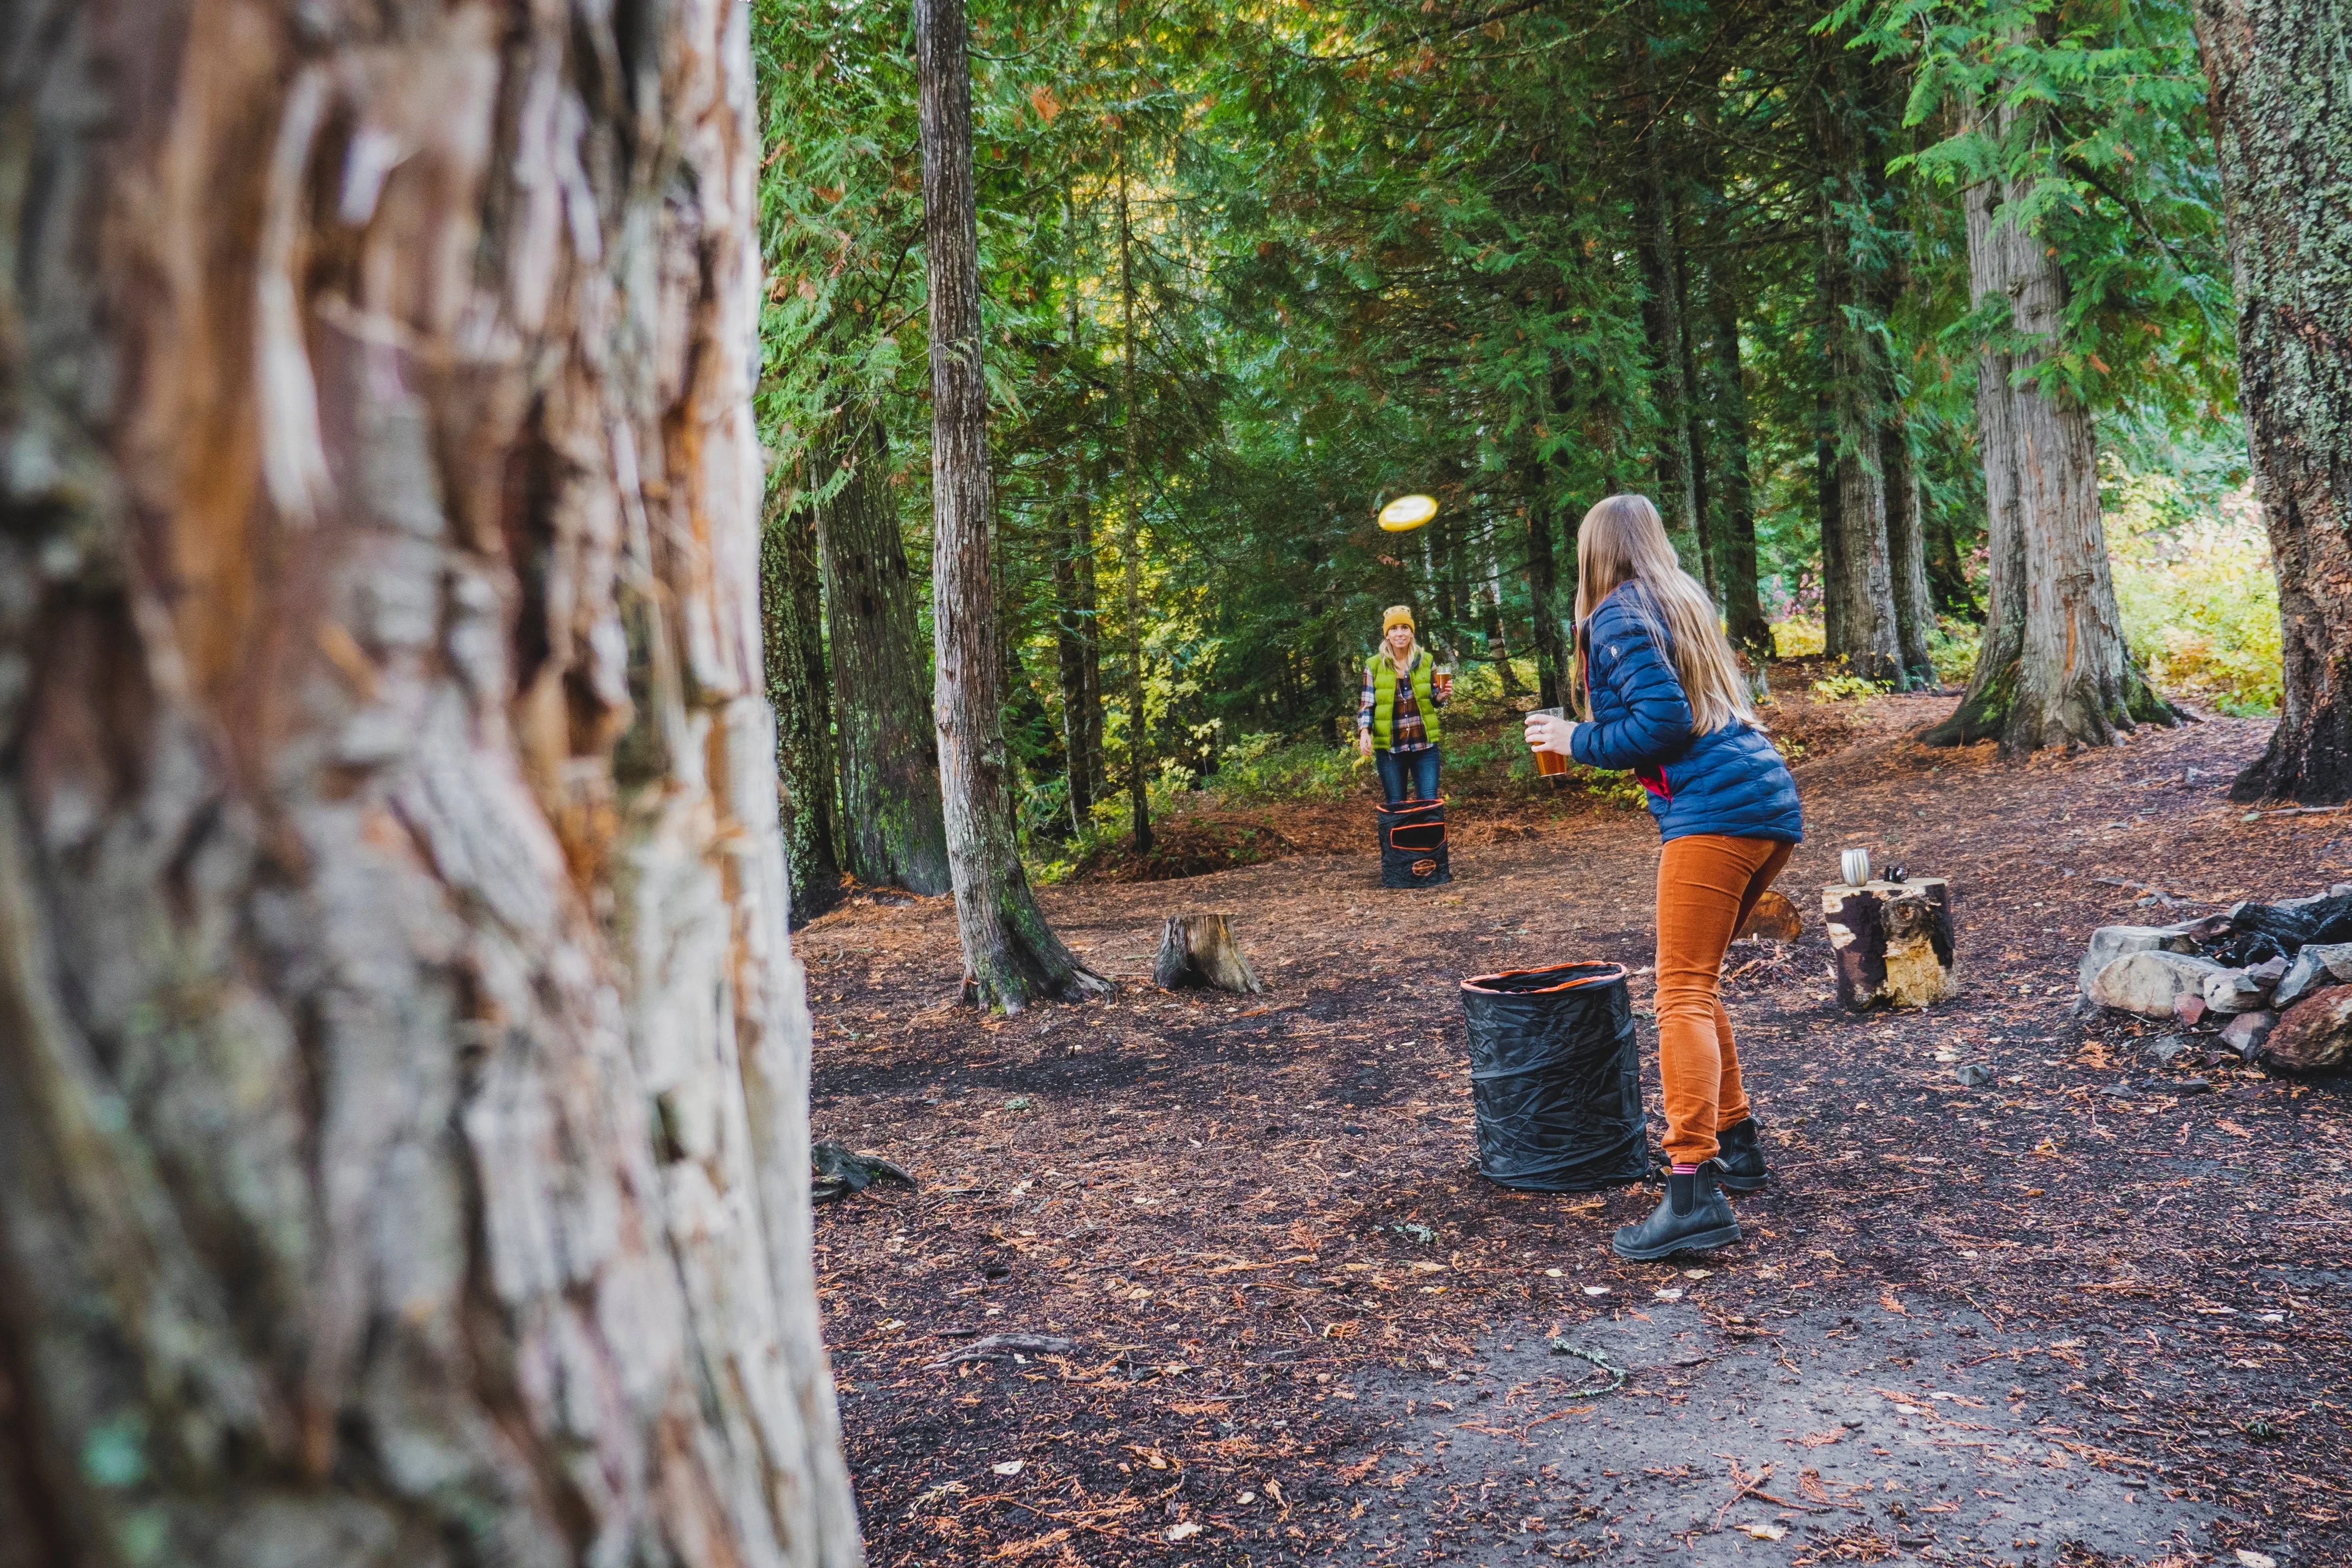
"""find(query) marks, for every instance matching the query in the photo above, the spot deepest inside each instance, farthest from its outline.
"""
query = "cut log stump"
(1774, 919)
(1892, 941)
(1199, 950)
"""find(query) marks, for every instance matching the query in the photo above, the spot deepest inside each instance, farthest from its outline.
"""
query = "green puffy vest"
(1384, 682)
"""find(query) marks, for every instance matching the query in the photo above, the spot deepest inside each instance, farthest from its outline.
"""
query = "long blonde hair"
(1621, 542)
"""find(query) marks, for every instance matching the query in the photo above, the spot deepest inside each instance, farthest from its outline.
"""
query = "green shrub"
(1263, 768)
(2194, 584)
(1799, 636)
(1953, 651)
(1845, 686)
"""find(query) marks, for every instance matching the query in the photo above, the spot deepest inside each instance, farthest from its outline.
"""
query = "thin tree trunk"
(2052, 669)
(1826, 498)
(894, 829)
(1710, 551)
(1139, 721)
(1915, 613)
(801, 692)
(1947, 576)
(1662, 326)
(2280, 117)
(1010, 953)
(1860, 586)
(1743, 606)
(1073, 638)
(403, 1152)
(1545, 604)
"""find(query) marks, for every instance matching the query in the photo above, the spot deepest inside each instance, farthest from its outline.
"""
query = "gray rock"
(2111, 942)
(2164, 1047)
(2236, 991)
(1975, 1074)
(2248, 1031)
(2148, 982)
(2316, 965)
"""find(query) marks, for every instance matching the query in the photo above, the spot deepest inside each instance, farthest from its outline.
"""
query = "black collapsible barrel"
(1554, 1078)
(1412, 845)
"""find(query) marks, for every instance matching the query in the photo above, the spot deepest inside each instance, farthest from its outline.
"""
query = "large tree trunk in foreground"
(893, 826)
(403, 1149)
(1011, 953)
(2282, 115)
(792, 612)
(2053, 670)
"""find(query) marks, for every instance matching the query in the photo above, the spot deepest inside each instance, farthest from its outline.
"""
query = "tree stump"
(1892, 941)
(1199, 950)
(1774, 919)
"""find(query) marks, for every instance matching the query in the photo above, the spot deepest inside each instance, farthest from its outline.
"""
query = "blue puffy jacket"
(1731, 782)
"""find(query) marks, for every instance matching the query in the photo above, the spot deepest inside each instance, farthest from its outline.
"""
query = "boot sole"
(1705, 1241)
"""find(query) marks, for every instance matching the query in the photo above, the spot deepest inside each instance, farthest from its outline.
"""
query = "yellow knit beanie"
(1396, 615)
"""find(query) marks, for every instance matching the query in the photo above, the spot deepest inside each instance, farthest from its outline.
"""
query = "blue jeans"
(1410, 776)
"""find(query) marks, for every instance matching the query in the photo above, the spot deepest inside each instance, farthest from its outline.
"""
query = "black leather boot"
(1743, 1158)
(1694, 1216)
(1741, 1153)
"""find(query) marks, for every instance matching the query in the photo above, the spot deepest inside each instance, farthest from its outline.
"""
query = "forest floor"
(2093, 1312)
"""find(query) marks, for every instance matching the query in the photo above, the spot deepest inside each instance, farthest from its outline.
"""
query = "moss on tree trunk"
(2283, 118)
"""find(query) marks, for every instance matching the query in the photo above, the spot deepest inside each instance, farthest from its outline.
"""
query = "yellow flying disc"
(1407, 513)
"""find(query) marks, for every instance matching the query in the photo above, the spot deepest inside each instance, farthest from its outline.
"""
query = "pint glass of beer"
(1445, 673)
(1550, 764)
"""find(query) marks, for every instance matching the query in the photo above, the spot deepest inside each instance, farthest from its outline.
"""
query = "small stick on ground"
(1003, 1347)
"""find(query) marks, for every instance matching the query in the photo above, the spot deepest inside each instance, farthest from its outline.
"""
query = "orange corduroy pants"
(1708, 883)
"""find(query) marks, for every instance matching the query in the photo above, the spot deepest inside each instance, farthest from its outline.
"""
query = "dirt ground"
(2093, 1312)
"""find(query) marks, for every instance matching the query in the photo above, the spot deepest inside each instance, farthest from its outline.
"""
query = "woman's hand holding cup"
(1550, 731)
(1549, 735)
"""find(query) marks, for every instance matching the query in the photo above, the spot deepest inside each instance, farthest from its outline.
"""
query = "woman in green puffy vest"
(1396, 720)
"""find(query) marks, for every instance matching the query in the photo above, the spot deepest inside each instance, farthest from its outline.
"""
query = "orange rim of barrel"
(1603, 973)
(1413, 807)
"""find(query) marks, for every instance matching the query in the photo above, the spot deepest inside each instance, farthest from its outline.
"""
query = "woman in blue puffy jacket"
(1662, 695)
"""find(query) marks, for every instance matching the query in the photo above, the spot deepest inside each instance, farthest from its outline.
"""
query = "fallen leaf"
(1184, 1532)
(1765, 1531)
(2256, 1559)
(1887, 1300)
(1696, 1273)
(1010, 1467)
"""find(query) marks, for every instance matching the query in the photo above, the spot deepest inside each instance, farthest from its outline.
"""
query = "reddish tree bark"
(403, 1067)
